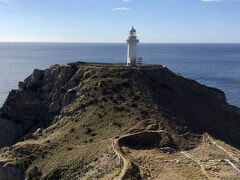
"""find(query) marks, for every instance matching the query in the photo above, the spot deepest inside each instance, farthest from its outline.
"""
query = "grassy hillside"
(108, 103)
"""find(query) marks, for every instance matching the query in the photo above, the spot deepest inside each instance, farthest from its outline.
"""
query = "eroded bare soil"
(211, 159)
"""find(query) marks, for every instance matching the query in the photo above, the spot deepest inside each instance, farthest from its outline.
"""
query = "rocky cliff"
(61, 123)
(37, 101)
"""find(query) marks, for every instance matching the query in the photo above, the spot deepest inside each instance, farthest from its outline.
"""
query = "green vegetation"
(111, 102)
(106, 107)
(102, 105)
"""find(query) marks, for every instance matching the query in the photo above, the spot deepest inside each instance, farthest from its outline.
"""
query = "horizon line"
(69, 42)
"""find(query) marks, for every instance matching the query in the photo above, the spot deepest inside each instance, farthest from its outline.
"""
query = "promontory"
(107, 121)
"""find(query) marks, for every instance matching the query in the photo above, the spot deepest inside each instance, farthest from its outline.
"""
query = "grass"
(83, 132)
(109, 103)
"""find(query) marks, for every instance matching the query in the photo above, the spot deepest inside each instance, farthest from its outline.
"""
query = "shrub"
(117, 124)
(72, 130)
(34, 174)
(104, 99)
(145, 113)
(88, 130)
(100, 115)
(119, 108)
(121, 98)
(136, 98)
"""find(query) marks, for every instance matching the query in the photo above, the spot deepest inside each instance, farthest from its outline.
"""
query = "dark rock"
(37, 74)
(48, 87)
(54, 74)
(29, 137)
(56, 102)
(8, 172)
(21, 85)
(55, 175)
(48, 76)
(202, 108)
(34, 174)
(167, 150)
(35, 104)
(69, 97)
(8, 133)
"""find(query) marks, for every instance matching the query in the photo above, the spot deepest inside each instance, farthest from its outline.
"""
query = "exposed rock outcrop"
(187, 103)
(37, 101)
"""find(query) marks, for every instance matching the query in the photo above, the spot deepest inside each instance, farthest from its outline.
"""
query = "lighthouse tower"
(132, 48)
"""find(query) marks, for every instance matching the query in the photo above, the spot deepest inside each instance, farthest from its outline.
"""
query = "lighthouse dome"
(132, 31)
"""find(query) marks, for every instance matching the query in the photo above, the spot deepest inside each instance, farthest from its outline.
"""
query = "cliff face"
(37, 101)
(10, 172)
(65, 119)
(187, 103)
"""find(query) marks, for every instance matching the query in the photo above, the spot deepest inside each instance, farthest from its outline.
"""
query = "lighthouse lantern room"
(132, 48)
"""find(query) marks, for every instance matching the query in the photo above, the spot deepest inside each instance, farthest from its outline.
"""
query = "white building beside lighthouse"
(132, 48)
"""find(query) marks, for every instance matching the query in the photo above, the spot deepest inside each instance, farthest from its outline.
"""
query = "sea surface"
(215, 65)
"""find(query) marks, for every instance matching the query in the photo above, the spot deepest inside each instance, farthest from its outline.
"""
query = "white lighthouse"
(132, 48)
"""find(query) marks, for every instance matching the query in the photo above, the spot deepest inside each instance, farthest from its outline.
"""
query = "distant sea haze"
(215, 65)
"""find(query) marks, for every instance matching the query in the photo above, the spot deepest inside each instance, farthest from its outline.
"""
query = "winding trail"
(231, 155)
(126, 163)
(204, 172)
(129, 168)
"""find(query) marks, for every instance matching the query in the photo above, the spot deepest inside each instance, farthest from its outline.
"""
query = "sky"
(156, 21)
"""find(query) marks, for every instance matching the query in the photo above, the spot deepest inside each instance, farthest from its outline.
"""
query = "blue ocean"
(215, 65)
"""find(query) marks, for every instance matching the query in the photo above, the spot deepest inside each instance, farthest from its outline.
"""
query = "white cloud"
(121, 9)
(7, 3)
(126, 0)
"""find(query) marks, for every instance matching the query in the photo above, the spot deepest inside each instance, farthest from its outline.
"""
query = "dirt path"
(135, 161)
(204, 172)
(231, 155)
(140, 163)
(129, 168)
